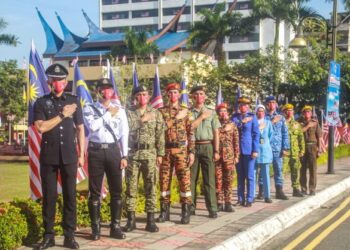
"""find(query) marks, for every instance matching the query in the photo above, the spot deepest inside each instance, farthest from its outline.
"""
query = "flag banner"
(219, 98)
(238, 95)
(112, 79)
(37, 88)
(135, 79)
(184, 99)
(333, 94)
(156, 99)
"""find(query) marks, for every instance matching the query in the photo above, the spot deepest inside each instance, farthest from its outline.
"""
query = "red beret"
(222, 106)
(172, 86)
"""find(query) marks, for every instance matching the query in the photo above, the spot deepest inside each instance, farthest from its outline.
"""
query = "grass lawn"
(14, 181)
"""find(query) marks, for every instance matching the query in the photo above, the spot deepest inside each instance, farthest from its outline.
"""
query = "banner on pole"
(333, 94)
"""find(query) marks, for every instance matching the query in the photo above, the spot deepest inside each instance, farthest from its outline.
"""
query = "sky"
(23, 21)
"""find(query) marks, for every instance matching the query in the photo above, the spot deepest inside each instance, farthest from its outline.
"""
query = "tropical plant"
(7, 39)
(209, 34)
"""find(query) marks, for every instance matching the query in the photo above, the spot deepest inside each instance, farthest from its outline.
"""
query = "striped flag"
(112, 79)
(184, 99)
(238, 95)
(37, 88)
(219, 98)
(345, 134)
(135, 79)
(156, 99)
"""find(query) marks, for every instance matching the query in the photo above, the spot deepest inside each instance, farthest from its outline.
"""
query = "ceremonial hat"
(104, 82)
(243, 100)
(288, 106)
(223, 105)
(138, 89)
(270, 98)
(172, 86)
(56, 70)
(260, 106)
(306, 108)
(197, 88)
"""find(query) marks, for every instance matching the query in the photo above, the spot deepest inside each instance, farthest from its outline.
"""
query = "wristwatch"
(61, 116)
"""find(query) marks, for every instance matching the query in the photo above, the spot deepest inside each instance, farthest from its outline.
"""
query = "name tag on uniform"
(262, 141)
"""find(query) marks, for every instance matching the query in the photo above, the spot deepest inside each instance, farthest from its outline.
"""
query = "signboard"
(333, 94)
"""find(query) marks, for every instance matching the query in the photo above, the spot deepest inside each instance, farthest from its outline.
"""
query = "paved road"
(325, 228)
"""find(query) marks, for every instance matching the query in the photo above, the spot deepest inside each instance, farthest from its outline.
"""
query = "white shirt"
(97, 129)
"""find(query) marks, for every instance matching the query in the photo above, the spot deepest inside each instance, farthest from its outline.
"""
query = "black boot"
(220, 207)
(228, 207)
(94, 211)
(164, 212)
(151, 225)
(131, 223)
(46, 243)
(297, 193)
(116, 213)
(280, 194)
(185, 213)
(260, 194)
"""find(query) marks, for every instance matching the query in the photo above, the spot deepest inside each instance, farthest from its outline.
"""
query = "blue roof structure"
(98, 43)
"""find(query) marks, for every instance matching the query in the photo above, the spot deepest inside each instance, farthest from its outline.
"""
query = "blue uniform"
(279, 143)
(249, 134)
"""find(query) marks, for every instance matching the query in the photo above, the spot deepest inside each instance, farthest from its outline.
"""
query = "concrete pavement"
(247, 228)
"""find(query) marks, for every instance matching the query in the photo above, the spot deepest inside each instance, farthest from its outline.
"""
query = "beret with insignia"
(172, 86)
(197, 88)
(270, 98)
(243, 100)
(56, 70)
(288, 106)
(221, 106)
(138, 89)
(306, 108)
(104, 82)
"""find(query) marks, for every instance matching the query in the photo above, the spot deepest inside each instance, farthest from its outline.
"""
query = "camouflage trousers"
(294, 165)
(148, 169)
(223, 179)
(175, 158)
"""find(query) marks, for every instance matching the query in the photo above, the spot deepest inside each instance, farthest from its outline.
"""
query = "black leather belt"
(175, 144)
(97, 145)
(142, 146)
(200, 142)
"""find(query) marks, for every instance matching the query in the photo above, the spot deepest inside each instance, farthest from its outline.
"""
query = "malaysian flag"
(219, 98)
(238, 95)
(156, 100)
(345, 134)
(112, 79)
(37, 88)
(184, 99)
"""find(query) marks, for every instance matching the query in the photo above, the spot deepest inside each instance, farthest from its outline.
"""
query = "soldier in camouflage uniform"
(297, 148)
(312, 136)
(229, 156)
(146, 142)
(179, 154)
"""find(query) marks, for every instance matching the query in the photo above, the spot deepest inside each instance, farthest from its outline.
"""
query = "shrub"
(13, 227)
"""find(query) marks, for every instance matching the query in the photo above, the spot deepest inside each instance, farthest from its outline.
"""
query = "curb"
(260, 233)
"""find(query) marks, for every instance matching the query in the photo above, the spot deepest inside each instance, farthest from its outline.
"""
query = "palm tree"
(209, 33)
(7, 39)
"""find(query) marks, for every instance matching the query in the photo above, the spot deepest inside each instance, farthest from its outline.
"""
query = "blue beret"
(56, 70)
(270, 98)
(138, 89)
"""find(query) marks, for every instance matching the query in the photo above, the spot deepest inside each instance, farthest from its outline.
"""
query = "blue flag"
(37, 82)
(156, 100)
(135, 79)
(238, 95)
(184, 99)
(219, 98)
(112, 79)
(82, 90)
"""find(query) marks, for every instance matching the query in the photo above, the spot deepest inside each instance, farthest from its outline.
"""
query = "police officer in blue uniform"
(279, 143)
(58, 117)
(249, 135)
(107, 153)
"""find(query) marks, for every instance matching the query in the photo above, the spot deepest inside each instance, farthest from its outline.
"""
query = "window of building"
(138, 1)
(145, 13)
(109, 2)
(150, 27)
(181, 26)
(97, 62)
(243, 6)
(254, 37)
(200, 7)
(240, 54)
(173, 11)
(115, 15)
(82, 63)
(115, 29)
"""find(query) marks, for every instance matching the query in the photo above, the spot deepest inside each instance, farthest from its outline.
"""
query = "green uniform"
(297, 150)
(204, 158)
(146, 142)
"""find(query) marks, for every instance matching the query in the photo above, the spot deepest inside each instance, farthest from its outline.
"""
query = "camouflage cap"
(288, 106)
(306, 108)
(172, 86)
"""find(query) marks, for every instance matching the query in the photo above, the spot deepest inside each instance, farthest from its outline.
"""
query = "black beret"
(197, 88)
(138, 89)
(104, 82)
(56, 70)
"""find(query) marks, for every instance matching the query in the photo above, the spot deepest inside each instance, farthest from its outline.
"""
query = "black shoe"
(164, 212)
(297, 193)
(69, 242)
(116, 232)
(228, 207)
(94, 212)
(213, 215)
(260, 194)
(116, 214)
(239, 203)
(131, 222)
(312, 193)
(185, 214)
(151, 225)
(304, 192)
(220, 207)
(268, 200)
(280, 194)
(248, 204)
(46, 243)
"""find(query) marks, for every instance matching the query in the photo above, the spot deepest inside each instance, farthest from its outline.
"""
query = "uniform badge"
(49, 103)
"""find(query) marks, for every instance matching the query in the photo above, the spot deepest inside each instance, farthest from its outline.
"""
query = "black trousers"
(107, 161)
(48, 175)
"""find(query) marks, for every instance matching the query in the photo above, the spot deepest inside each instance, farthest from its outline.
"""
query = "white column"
(193, 11)
(160, 14)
